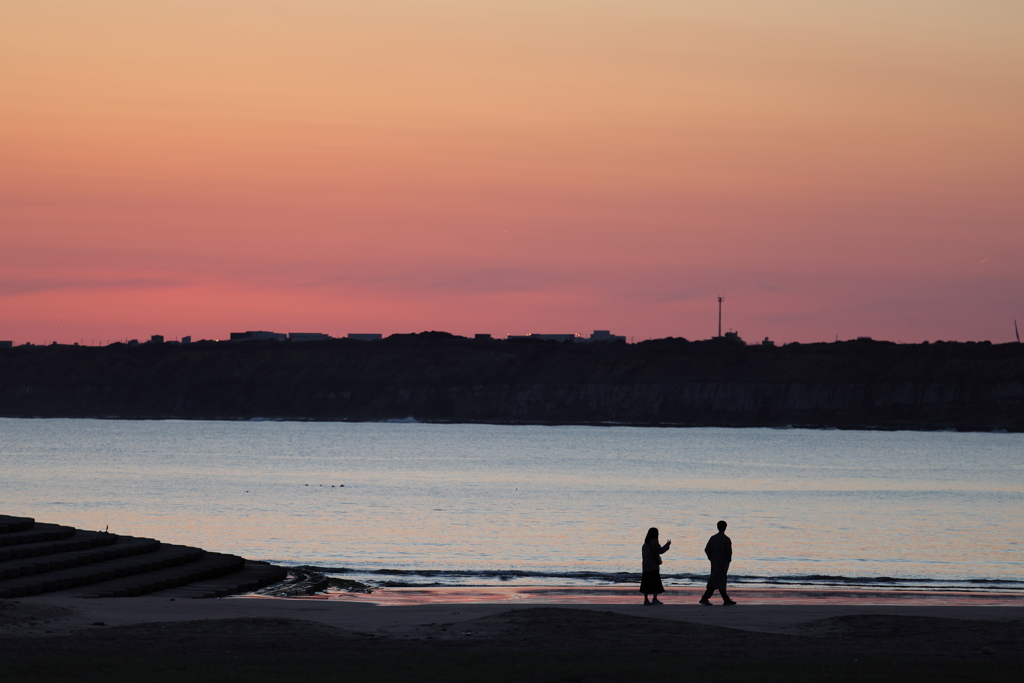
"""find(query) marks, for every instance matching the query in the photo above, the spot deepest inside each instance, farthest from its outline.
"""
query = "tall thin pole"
(720, 300)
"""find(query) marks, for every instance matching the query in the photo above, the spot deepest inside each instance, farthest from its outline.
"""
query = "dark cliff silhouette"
(435, 376)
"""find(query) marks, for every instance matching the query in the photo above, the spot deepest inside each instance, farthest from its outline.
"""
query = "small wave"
(417, 578)
(870, 580)
(501, 574)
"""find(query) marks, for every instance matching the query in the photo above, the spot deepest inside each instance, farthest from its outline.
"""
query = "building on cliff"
(256, 335)
(308, 336)
(606, 336)
(597, 336)
(548, 337)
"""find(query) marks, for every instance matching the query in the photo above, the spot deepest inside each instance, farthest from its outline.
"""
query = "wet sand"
(404, 617)
(629, 595)
(515, 634)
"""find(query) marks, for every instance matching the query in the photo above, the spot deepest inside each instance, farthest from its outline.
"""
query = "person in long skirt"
(650, 582)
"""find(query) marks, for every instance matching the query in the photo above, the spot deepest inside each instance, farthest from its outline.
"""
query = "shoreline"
(626, 595)
(824, 426)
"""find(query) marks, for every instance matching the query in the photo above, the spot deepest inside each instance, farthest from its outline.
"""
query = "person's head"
(722, 525)
(652, 534)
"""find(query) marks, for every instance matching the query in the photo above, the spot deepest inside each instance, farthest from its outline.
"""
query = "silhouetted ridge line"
(442, 378)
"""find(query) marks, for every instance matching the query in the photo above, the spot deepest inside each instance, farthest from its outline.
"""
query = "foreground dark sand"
(255, 639)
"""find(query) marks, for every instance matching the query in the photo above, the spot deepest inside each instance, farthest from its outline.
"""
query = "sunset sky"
(196, 168)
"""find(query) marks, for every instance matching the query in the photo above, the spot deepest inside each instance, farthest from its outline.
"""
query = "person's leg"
(647, 586)
(715, 581)
(722, 590)
(658, 589)
(708, 592)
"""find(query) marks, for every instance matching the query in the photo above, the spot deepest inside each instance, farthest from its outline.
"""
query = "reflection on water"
(483, 504)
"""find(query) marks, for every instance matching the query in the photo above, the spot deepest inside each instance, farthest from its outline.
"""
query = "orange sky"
(196, 168)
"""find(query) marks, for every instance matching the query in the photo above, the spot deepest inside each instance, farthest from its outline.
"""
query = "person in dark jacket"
(719, 551)
(650, 581)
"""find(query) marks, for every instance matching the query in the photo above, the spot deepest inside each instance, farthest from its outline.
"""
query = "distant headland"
(439, 377)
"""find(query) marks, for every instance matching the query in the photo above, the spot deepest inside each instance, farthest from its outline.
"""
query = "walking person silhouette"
(650, 581)
(719, 551)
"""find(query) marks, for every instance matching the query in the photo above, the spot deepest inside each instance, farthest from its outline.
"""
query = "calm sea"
(423, 504)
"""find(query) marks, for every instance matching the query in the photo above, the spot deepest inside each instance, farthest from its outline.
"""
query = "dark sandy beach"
(154, 638)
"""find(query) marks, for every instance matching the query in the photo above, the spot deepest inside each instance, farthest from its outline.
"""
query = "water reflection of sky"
(546, 500)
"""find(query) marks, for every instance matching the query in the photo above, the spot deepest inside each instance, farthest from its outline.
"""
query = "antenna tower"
(1015, 330)
(720, 300)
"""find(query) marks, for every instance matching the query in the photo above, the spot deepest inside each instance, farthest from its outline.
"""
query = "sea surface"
(408, 504)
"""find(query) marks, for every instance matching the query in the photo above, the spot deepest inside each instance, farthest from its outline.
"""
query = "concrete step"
(40, 558)
(210, 565)
(165, 556)
(253, 576)
(37, 533)
(124, 547)
(10, 524)
(82, 540)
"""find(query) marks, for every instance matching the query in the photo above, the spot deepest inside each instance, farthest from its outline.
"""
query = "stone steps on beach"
(124, 546)
(10, 524)
(206, 566)
(40, 558)
(82, 540)
(37, 533)
(253, 576)
(154, 556)
(215, 576)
